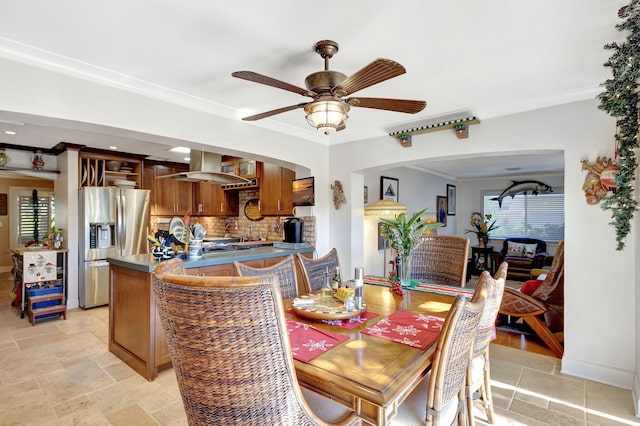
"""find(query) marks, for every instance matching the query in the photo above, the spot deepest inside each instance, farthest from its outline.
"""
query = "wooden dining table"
(367, 374)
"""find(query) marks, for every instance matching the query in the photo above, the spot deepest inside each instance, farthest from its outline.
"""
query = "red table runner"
(409, 328)
(308, 342)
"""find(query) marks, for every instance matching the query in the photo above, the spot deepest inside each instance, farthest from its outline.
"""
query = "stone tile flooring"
(61, 373)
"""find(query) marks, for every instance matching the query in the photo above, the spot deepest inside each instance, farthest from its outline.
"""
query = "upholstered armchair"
(522, 255)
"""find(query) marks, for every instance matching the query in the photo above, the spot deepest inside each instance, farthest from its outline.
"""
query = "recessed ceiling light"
(9, 132)
(113, 147)
(181, 149)
(187, 158)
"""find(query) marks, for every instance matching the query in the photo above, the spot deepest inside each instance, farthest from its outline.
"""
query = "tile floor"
(61, 373)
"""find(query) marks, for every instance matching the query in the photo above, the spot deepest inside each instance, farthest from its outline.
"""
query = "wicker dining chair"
(314, 269)
(479, 374)
(441, 259)
(447, 392)
(230, 350)
(285, 270)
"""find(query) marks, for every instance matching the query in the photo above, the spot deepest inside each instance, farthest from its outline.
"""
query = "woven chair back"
(441, 259)
(486, 327)
(314, 269)
(453, 353)
(285, 270)
(230, 350)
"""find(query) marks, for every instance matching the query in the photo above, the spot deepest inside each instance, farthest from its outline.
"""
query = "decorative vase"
(483, 240)
(403, 269)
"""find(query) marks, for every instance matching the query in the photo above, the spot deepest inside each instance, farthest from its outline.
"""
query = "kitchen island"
(135, 332)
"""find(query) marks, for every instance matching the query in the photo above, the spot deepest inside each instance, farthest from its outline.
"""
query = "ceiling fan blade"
(263, 79)
(400, 105)
(374, 73)
(274, 112)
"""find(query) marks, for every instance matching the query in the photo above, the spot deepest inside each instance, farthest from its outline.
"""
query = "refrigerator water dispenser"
(102, 235)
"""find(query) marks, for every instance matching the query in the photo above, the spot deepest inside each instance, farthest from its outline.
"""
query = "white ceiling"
(486, 59)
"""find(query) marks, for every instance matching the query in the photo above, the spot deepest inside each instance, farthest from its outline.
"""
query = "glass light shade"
(326, 116)
(385, 208)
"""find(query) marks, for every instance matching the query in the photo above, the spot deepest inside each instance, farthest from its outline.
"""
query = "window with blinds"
(35, 218)
(535, 216)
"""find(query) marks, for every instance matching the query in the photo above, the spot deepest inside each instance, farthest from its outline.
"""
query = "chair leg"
(469, 396)
(545, 334)
(486, 390)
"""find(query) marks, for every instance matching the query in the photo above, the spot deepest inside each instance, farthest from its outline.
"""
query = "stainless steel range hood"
(205, 167)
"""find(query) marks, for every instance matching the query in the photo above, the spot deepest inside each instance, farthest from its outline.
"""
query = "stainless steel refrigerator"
(114, 222)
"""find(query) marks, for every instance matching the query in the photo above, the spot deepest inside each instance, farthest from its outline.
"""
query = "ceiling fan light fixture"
(327, 116)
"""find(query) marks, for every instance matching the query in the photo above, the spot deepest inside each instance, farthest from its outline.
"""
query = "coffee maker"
(293, 230)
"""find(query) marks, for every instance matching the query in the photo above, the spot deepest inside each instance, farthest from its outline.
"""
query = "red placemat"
(347, 324)
(308, 342)
(409, 328)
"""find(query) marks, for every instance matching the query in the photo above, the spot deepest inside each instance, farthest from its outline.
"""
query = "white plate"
(124, 183)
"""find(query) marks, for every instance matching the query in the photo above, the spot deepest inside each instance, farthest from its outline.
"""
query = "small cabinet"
(169, 197)
(242, 167)
(276, 190)
(210, 200)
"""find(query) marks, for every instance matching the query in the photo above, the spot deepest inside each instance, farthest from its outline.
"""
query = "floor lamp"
(384, 209)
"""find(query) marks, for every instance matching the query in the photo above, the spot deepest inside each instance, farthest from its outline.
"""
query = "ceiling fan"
(327, 112)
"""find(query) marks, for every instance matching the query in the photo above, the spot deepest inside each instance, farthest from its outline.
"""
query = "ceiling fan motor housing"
(323, 81)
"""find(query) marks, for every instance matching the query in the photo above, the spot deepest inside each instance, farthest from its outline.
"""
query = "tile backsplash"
(269, 227)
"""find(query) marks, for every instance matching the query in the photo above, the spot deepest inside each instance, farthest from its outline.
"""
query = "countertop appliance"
(113, 222)
(293, 230)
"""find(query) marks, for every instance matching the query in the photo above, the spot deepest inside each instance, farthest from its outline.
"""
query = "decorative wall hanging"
(451, 200)
(593, 189)
(338, 194)
(441, 209)
(620, 100)
(524, 186)
(389, 188)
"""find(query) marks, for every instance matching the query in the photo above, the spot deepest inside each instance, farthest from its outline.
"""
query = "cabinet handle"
(200, 208)
(278, 204)
(221, 207)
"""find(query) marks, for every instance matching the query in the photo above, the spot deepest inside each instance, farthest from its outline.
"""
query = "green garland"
(620, 100)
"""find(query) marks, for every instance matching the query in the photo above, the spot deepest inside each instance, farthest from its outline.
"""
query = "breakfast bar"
(135, 332)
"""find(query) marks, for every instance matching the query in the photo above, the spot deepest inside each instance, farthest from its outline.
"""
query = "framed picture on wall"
(383, 243)
(389, 188)
(451, 200)
(441, 209)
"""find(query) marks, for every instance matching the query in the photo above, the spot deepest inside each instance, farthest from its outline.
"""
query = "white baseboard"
(635, 394)
(599, 373)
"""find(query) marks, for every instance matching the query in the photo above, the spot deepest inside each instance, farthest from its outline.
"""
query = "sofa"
(522, 255)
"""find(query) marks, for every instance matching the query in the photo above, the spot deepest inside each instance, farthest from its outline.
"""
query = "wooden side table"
(482, 259)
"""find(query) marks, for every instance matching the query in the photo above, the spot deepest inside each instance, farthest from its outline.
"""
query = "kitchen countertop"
(146, 262)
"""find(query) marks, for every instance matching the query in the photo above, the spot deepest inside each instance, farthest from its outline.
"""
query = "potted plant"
(405, 235)
(482, 227)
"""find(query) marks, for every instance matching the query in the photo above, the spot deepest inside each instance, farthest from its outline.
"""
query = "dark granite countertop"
(146, 262)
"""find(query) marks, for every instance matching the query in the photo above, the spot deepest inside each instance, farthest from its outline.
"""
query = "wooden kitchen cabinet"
(276, 190)
(242, 167)
(170, 197)
(211, 200)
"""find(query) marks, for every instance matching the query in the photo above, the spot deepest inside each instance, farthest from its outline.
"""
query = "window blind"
(536, 216)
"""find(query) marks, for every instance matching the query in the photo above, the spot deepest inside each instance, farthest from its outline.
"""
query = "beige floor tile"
(18, 394)
(544, 415)
(171, 415)
(89, 416)
(127, 392)
(18, 366)
(30, 413)
(119, 371)
(604, 401)
(131, 415)
(525, 359)
(72, 382)
(505, 372)
(71, 406)
(46, 339)
(563, 389)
